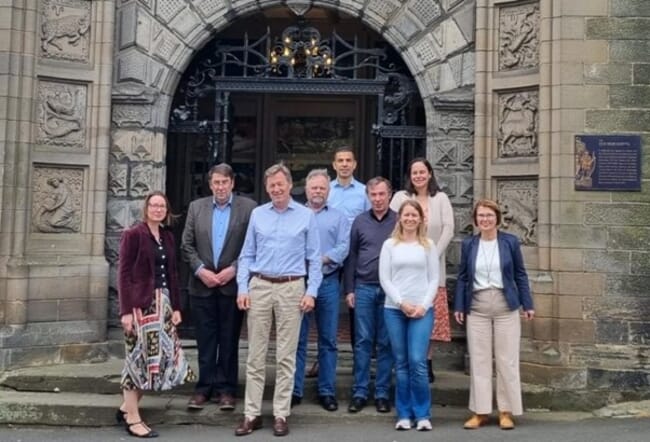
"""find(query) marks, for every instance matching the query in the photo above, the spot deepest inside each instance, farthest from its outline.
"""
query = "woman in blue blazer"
(492, 287)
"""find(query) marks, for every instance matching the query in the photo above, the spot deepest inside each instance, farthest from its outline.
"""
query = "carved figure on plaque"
(585, 165)
(56, 213)
(518, 200)
(65, 25)
(61, 114)
(517, 134)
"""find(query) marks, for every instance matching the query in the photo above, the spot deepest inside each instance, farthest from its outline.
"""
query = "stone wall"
(587, 252)
(55, 61)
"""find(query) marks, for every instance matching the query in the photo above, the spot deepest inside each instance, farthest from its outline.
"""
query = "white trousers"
(493, 330)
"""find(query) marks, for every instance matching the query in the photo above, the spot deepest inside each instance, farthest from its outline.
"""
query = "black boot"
(432, 377)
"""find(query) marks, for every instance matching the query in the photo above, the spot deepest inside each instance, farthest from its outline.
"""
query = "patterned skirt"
(441, 327)
(154, 358)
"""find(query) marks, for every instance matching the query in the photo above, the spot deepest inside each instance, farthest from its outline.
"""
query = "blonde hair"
(398, 231)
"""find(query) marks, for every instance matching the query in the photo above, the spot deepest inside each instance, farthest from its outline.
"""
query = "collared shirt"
(281, 243)
(351, 199)
(334, 230)
(220, 220)
(367, 236)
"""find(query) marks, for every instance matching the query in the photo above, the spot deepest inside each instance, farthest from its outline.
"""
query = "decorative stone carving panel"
(57, 200)
(168, 9)
(518, 200)
(426, 10)
(165, 43)
(134, 145)
(131, 115)
(122, 214)
(426, 51)
(456, 123)
(453, 153)
(117, 179)
(518, 124)
(65, 29)
(519, 37)
(383, 8)
(142, 178)
(463, 223)
(62, 114)
(406, 26)
(209, 7)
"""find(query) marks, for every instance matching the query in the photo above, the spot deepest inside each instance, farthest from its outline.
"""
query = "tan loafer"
(505, 420)
(476, 421)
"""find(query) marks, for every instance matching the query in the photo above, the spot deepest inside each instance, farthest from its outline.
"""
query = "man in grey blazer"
(212, 239)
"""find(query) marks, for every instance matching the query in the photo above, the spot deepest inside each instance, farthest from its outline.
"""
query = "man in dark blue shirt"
(364, 294)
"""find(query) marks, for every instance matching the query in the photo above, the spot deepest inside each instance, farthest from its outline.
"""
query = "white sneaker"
(403, 425)
(424, 425)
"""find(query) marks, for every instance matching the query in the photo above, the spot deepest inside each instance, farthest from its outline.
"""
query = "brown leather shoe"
(505, 420)
(280, 427)
(247, 426)
(227, 402)
(197, 402)
(476, 421)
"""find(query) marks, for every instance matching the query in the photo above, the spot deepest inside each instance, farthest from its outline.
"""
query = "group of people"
(282, 260)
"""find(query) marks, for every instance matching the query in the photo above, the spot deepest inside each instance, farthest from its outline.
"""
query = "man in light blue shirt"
(334, 230)
(346, 193)
(281, 249)
(349, 196)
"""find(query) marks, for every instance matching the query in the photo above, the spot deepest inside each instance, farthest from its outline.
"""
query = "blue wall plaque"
(608, 162)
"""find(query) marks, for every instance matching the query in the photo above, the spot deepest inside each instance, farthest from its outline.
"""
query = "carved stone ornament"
(65, 29)
(518, 124)
(57, 200)
(299, 7)
(61, 114)
(518, 201)
(519, 37)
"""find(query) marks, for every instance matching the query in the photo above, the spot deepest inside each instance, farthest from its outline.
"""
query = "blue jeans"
(409, 339)
(369, 328)
(327, 323)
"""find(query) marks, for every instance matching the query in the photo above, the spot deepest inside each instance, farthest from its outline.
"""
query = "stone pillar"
(53, 273)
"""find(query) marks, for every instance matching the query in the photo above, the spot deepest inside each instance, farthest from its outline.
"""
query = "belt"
(278, 279)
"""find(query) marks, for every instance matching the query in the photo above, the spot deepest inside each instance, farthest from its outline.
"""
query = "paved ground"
(533, 427)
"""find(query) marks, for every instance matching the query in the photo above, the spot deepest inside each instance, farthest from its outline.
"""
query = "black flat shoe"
(150, 434)
(120, 416)
(382, 405)
(357, 404)
(329, 403)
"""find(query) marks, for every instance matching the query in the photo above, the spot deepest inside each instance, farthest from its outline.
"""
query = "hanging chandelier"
(300, 53)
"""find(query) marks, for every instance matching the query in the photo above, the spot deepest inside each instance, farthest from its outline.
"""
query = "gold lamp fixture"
(300, 53)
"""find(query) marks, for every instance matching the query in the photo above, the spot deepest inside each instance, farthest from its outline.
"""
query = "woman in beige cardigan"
(439, 220)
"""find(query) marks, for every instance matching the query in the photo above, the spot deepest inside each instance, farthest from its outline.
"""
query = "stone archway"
(157, 41)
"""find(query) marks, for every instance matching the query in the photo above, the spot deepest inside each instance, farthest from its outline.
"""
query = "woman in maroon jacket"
(149, 312)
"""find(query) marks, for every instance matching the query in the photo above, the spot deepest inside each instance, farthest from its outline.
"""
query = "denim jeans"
(370, 328)
(327, 323)
(409, 339)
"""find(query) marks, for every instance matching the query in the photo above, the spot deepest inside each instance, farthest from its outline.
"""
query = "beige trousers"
(282, 301)
(492, 325)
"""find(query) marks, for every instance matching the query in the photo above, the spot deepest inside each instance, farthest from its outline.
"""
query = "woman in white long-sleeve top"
(408, 273)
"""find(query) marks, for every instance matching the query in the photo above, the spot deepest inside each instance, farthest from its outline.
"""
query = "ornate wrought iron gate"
(299, 61)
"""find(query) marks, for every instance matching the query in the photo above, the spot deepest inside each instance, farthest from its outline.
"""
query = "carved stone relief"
(453, 153)
(134, 145)
(519, 37)
(456, 123)
(130, 115)
(121, 214)
(209, 7)
(65, 29)
(518, 124)
(61, 114)
(142, 178)
(117, 179)
(426, 10)
(518, 201)
(383, 8)
(168, 9)
(57, 200)
(426, 51)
